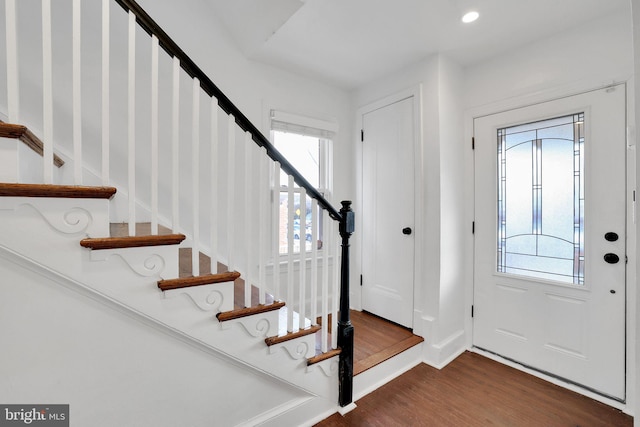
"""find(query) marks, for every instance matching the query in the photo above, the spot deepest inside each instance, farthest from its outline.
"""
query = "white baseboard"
(441, 354)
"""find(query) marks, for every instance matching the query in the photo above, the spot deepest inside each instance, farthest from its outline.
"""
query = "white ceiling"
(351, 42)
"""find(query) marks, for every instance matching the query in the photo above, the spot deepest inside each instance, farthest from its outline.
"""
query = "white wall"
(61, 346)
(593, 55)
(439, 285)
(454, 228)
(596, 53)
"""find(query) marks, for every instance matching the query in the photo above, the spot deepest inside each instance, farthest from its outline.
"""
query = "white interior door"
(549, 280)
(388, 212)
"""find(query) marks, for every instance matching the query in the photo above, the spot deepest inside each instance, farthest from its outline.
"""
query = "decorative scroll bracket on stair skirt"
(303, 347)
(328, 367)
(214, 297)
(145, 261)
(60, 214)
(263, 326)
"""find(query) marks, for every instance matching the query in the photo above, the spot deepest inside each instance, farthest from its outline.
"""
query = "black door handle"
(406, 230)
(611, 236)
(611, 258)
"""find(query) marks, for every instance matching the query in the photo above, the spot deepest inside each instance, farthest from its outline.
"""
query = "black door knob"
(406, 230)
(611, 236)
(611, 258)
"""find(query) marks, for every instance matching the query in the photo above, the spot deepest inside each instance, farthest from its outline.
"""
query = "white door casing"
(572, 331)
(388, 211)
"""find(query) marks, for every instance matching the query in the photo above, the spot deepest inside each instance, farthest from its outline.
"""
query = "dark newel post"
(345, 328)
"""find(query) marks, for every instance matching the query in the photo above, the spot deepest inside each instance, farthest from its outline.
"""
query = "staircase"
(73, 211)
(198, 254)
(53, 226)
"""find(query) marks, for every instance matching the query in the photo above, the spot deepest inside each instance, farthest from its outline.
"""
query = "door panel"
(563, 314)
(388, 209)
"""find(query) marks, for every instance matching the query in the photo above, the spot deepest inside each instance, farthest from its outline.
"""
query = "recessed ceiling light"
(470, 17)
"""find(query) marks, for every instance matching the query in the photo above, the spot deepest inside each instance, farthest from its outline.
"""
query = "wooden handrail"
(152, 28)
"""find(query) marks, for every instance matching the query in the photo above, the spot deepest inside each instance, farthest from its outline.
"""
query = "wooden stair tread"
(377, 358)
(323, 356)
(61, 191)
(131, 241)
(185, 270)
(248, 311)
(207, 279)
(292, 335)
(9, 130)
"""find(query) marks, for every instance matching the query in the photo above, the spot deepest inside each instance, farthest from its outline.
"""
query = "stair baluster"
(275, 254)
(314, 263)
(195, 177)
(264, 225)
(326, 325)
(47, 91)
(213, 203)
(131, 124)
(155, 47)
(302, 281)
(175, 146)
(290, 231)
(77, 94)
(13, 97)
(230, 183)
(247, 211)
(106, 94)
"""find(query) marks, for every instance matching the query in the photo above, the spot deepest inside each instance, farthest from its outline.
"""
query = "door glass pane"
(541, 199)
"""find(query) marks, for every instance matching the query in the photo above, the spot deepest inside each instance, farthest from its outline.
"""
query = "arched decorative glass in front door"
(541, 199)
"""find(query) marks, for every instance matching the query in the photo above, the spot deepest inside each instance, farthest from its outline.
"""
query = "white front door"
(549, 266)
(388, 211)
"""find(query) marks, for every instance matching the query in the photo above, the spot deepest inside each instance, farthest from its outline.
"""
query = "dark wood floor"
(376, 340)
(476, 391)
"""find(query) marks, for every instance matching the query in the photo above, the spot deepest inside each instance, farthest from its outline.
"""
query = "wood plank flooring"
(476, 391)
(376, 340)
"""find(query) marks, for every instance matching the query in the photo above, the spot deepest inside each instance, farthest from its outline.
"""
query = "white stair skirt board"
(129, 277)
(111, 320)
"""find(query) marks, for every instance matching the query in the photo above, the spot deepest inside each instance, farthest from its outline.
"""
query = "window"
(305, 143)
(541, 199)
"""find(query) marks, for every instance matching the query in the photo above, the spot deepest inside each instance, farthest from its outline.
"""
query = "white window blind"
(289, 122)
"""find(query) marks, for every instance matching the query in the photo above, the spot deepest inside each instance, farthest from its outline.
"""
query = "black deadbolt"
(406, 230)
(611, 236)
(611, 258)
